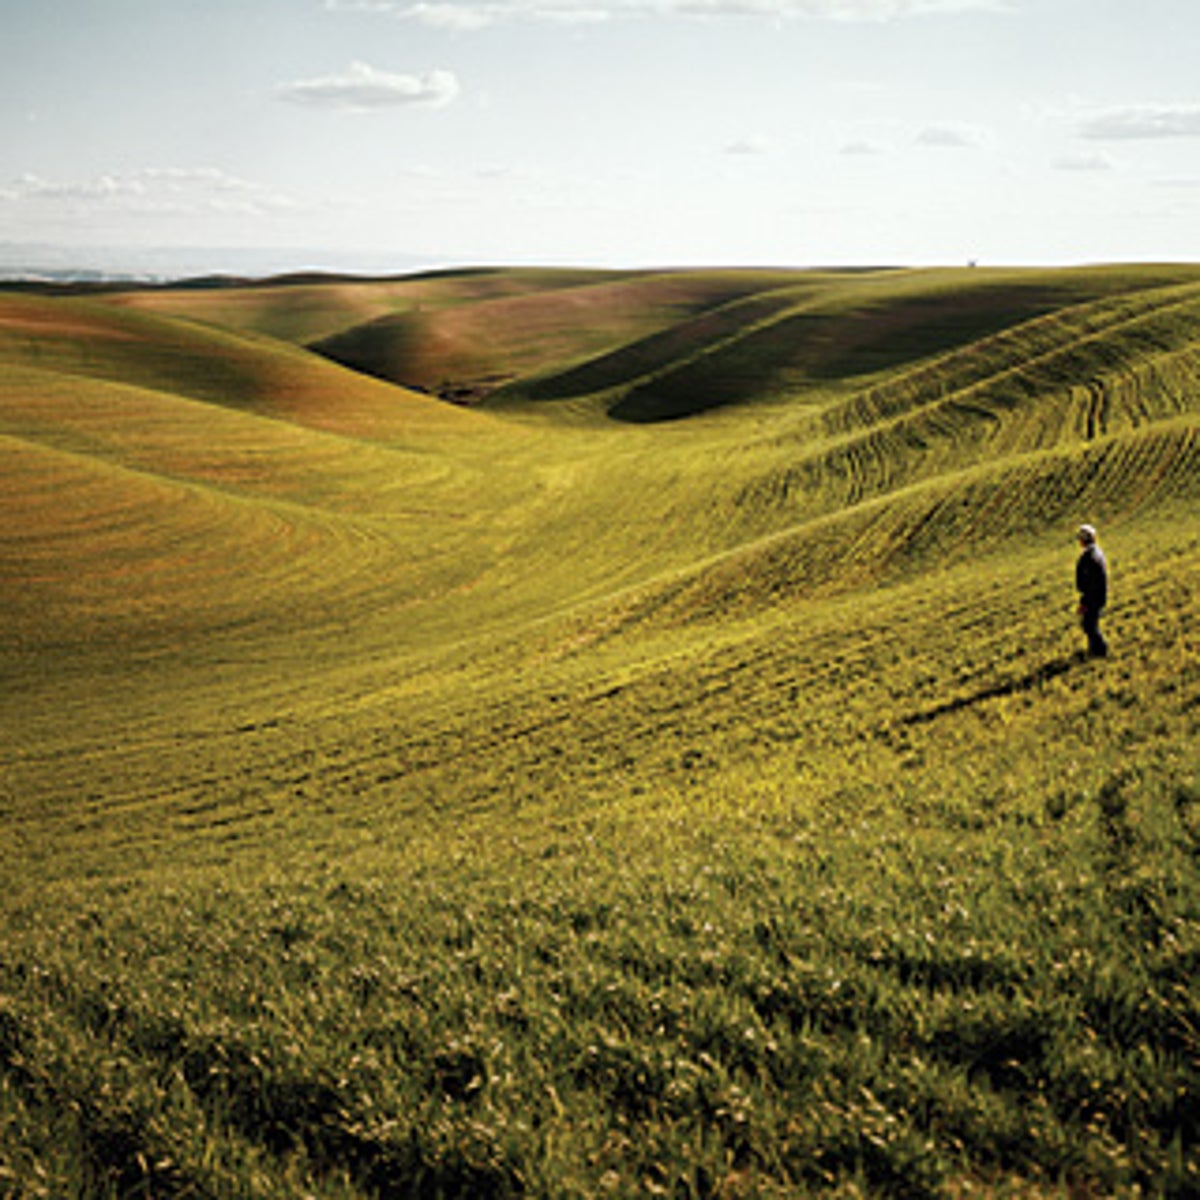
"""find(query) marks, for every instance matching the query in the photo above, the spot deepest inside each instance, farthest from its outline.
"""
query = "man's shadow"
(1008, 687)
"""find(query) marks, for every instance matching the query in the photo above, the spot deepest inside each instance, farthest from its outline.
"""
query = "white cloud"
(469, 14)
(1137, 122)
(363, 87)
(464, 18)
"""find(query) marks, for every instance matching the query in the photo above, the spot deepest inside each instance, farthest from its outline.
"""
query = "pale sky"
(607, 132)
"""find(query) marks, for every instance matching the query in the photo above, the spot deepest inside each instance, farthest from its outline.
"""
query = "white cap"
(1087, 533)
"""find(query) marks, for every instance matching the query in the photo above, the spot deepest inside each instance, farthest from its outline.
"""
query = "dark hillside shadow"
(890, 336)
(647, 408)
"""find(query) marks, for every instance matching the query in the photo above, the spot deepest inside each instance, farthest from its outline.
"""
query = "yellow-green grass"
(553, 799)
(77, 338)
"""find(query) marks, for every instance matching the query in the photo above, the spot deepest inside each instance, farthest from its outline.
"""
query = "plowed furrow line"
(1025, 350)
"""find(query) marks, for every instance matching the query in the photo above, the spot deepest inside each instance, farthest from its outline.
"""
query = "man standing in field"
(1091, 581)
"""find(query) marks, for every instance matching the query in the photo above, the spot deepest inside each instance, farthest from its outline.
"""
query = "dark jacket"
(1091, 579)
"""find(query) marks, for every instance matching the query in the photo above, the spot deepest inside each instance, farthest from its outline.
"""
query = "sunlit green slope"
(89, 339)
(258, 481)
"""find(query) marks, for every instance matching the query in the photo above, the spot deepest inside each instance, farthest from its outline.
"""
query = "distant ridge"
(71, 284)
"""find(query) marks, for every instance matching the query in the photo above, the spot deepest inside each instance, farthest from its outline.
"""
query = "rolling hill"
(667, 769)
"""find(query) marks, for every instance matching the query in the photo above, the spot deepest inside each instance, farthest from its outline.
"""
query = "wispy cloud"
(363, 87)
(151, 191)
(1142, 121)
(862, 149)
(748, 146)
(461, 17)
(1084, 162)
(478, 14)
(949, 135)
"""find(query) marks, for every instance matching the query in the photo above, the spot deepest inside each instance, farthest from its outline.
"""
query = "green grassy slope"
(80, 338)
(675, 775)
(263, 484)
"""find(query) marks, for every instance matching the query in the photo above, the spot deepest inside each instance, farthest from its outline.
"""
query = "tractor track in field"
(951, 413)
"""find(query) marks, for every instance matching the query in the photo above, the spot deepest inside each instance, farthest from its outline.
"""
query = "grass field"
(673, 773)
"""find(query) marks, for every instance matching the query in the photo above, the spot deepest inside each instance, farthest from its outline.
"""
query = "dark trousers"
(1090, 620)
